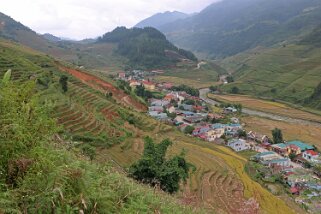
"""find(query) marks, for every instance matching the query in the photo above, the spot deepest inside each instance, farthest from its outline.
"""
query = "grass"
(203, 77)
(287, 73)
(268, 106)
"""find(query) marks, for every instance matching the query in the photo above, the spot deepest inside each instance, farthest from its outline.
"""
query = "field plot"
(308, 133)
(267, 106)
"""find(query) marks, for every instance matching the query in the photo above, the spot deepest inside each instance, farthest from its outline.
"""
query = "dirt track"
(105, 87)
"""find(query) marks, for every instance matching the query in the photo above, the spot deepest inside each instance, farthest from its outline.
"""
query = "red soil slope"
(105, 87)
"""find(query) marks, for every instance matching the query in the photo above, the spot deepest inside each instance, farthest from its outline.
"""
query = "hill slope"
(290, 73)
(146, 47)
(117, 131)
(232, 26)
(160, 19)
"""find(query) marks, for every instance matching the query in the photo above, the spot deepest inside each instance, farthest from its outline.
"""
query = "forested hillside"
(145, 48)
(233, 26)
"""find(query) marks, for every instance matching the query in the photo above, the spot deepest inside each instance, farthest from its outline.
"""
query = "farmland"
(268, 106)
(307, 133)
(219, 183)
(289, 72)
(204, 76)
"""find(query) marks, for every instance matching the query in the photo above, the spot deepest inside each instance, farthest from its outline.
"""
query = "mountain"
(160, 19)
(287, 72)
(233, 26)
(13, 30)
(51, 37)
(147, 48)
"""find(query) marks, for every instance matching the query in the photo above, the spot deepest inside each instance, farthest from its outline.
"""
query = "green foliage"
(89, 151)
(39, 175)
(190, 90)
(277, 136)
(155, 170)
(6, 77)
(145, 48)
(292, 156)
(229, 79)
(64, 83)
(213, 88)
(189, 130)
(241, 133)
(142, 92)
(235, 90)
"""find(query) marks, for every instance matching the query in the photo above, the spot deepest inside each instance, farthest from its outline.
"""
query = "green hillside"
(233, 26)
(290, 73)
(110, 131)
(145, 48)
(41, 170)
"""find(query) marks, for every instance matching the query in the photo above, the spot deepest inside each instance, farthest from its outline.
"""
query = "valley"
(217, 111)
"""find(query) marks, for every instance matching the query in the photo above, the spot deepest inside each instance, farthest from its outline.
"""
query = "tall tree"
(277, 136)
(155, 170)
(64, 83)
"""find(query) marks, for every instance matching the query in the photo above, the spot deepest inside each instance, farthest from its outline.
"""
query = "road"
(203, 95)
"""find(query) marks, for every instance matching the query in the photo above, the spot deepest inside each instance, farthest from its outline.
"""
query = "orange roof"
(311, 152)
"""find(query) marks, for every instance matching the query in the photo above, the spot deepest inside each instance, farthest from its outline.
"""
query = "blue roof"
(301, 145)
(234, 125)
(264, 153)
(218, 126)
(187, 112)
(278, 160)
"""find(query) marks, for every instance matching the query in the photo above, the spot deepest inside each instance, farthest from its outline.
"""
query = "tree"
(277, 136)
(229, 79)
(241, 133)
(213, 88)
(64, 83)
(155, 170)
(235, 90)
(189, 129)
(292, 156)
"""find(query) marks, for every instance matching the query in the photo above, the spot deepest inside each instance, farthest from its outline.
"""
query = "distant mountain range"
(161, 19)
(233, 26)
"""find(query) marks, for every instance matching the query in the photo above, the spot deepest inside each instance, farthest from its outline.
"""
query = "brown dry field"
(268, 106)
(307, 133)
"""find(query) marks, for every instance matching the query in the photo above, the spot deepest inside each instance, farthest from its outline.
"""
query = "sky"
(80, 19)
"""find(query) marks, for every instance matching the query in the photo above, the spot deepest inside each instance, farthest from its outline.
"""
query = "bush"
(155, 170)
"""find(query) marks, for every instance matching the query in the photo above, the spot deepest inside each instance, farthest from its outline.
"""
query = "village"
(295, 164)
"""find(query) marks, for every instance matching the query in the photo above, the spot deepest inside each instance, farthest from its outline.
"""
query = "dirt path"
(104, 87)
(203, 95)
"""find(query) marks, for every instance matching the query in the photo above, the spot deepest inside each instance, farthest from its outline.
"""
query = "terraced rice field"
(88, 112)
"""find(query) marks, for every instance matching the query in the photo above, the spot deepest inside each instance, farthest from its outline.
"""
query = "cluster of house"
(304, 183)
(138, 77)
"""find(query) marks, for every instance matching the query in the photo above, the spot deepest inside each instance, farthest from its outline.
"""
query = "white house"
(310, 155)
(238, 145)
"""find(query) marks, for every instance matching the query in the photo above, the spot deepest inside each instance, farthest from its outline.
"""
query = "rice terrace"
(160, 107)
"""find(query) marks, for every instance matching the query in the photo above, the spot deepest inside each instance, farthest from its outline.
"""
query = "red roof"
(311, 152)
(293, 190)
(198, 108)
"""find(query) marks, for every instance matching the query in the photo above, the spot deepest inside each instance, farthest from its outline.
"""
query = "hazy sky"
(81, 19)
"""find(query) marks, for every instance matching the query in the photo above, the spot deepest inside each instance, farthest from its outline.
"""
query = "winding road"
(205, 91)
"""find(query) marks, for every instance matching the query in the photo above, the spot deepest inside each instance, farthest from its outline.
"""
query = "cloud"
(81, 19)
